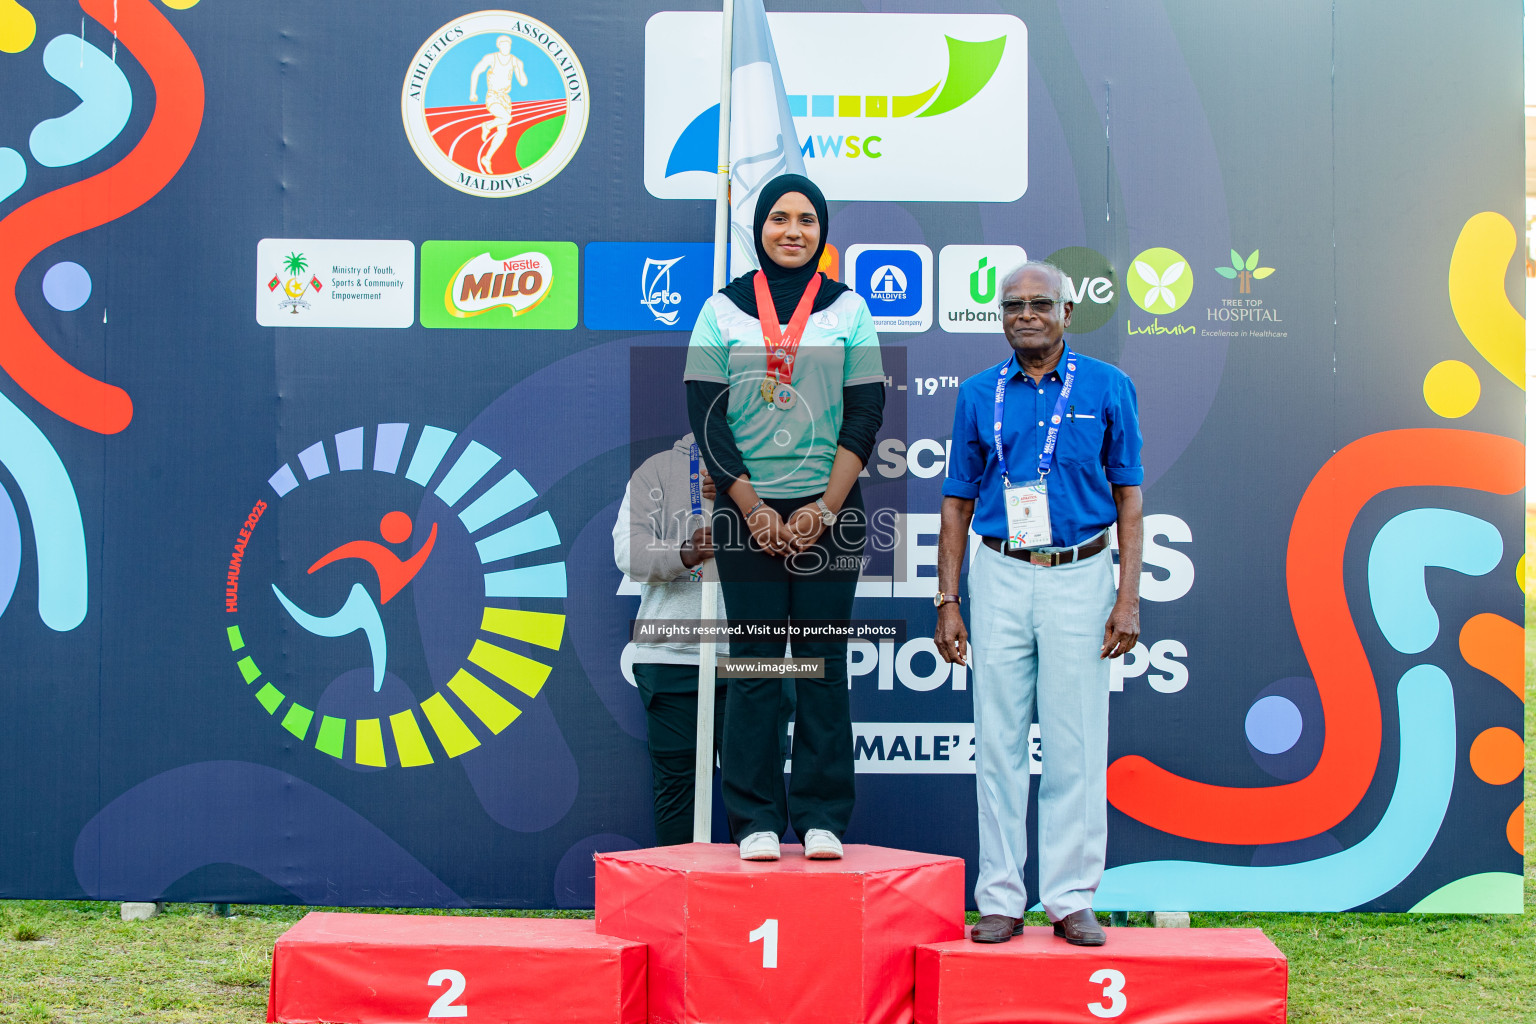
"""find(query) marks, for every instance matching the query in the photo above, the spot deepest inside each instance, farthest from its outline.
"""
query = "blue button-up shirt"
(1099, 445)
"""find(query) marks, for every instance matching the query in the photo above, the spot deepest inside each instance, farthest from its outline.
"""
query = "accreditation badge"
(1029, 515)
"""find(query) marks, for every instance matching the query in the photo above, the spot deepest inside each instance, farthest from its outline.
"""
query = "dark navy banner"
(331, 333)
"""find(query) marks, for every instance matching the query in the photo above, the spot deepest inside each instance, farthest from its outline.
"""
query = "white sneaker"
(822, 845)
(760, 846)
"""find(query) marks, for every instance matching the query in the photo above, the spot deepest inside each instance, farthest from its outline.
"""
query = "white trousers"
(1035, 636)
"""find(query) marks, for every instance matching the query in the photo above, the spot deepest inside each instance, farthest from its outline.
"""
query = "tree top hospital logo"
(495, 103)
(887, 107)
(1160, 280)
(337, 620)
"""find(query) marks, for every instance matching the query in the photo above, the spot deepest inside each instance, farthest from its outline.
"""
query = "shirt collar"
(1054, 375)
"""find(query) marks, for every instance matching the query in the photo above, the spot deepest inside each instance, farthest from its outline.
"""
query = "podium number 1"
(445, 1005)
(1113, 982)
(768, 931)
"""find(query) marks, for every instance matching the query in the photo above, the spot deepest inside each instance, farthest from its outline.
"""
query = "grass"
(77, 963)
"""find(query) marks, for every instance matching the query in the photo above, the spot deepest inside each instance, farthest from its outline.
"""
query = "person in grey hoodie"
(662, 541)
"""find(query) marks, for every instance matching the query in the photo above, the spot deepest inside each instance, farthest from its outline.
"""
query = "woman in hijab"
(785, 392)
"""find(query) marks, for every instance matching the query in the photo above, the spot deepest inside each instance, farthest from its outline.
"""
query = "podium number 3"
(445, 1005)
(768, 931)
(1113, 982)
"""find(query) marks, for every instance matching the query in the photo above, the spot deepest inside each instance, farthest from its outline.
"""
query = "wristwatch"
(828, 517)
(941, 599)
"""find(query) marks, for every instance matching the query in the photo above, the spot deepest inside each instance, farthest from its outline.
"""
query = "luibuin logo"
(1161, 280)
(1245, 272)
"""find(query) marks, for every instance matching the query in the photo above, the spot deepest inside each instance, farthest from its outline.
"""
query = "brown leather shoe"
(1080, 928)
(996, 928)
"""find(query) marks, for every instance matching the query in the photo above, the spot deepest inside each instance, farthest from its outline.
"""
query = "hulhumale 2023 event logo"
(495, 103)
(887, 107)
(338, 620)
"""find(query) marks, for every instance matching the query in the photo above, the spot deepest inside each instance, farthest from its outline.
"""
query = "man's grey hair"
(1041, 265)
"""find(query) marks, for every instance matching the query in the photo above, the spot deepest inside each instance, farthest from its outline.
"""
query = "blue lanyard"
(695, 489)
(696, 500)
(1048, 453)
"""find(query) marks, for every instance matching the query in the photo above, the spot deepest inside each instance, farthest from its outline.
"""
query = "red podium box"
(400, 969)
(1141, 976)
(793, 940)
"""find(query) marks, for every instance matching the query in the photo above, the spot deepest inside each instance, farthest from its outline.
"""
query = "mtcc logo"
(1160, 280)
(371, 700)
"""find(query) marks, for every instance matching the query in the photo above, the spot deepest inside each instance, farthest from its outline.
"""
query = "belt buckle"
(1040, 558)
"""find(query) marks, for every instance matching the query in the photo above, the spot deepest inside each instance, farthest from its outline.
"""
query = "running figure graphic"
(358, 612)
(499, 68)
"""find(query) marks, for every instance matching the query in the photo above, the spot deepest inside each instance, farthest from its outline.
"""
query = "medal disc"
(766, 388)
(784, 398)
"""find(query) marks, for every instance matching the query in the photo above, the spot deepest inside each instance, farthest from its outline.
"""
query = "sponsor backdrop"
(316, 410)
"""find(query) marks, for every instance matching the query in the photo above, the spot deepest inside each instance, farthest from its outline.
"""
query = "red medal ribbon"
(780, 368)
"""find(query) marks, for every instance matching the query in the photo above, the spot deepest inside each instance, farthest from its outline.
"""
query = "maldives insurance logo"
(887, 107)
(327, 634)
(495, 103)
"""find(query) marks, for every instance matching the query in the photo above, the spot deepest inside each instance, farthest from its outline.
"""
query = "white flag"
(763, 140)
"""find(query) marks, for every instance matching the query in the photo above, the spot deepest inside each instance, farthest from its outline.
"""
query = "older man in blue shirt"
(1046, 457)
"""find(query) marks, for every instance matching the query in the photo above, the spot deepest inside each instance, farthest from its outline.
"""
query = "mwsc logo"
(870, 126)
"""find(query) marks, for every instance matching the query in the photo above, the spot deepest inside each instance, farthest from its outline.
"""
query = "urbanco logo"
(1160, 280)
(970, 279)
(495, 103)
(887, 107)
(896, 282)
(528, 285)
(369, 700)
(1245, 271)
(1089, 284)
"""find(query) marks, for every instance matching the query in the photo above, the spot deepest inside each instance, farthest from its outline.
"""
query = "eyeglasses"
(1038, 306)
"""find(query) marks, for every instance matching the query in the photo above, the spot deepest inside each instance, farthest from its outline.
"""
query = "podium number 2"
(445, 1005)
(768, 931)
(1113, 982)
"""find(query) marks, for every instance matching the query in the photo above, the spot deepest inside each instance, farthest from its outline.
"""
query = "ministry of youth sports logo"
(495, 103)
(331, 641)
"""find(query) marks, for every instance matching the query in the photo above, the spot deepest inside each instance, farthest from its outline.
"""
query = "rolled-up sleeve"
(967, 451)
(1122, 436)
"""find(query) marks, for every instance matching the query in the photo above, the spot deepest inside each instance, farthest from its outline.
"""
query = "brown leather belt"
(1066, 556)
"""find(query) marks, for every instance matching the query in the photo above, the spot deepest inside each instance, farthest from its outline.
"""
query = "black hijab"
(786, 283)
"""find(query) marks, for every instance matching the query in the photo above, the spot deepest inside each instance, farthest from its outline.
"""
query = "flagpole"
(704, 749)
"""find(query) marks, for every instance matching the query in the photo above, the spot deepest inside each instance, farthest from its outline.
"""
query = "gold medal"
(766, 389)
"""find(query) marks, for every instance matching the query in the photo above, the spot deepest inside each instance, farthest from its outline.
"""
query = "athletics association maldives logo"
(370, 700)
(495, 103)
